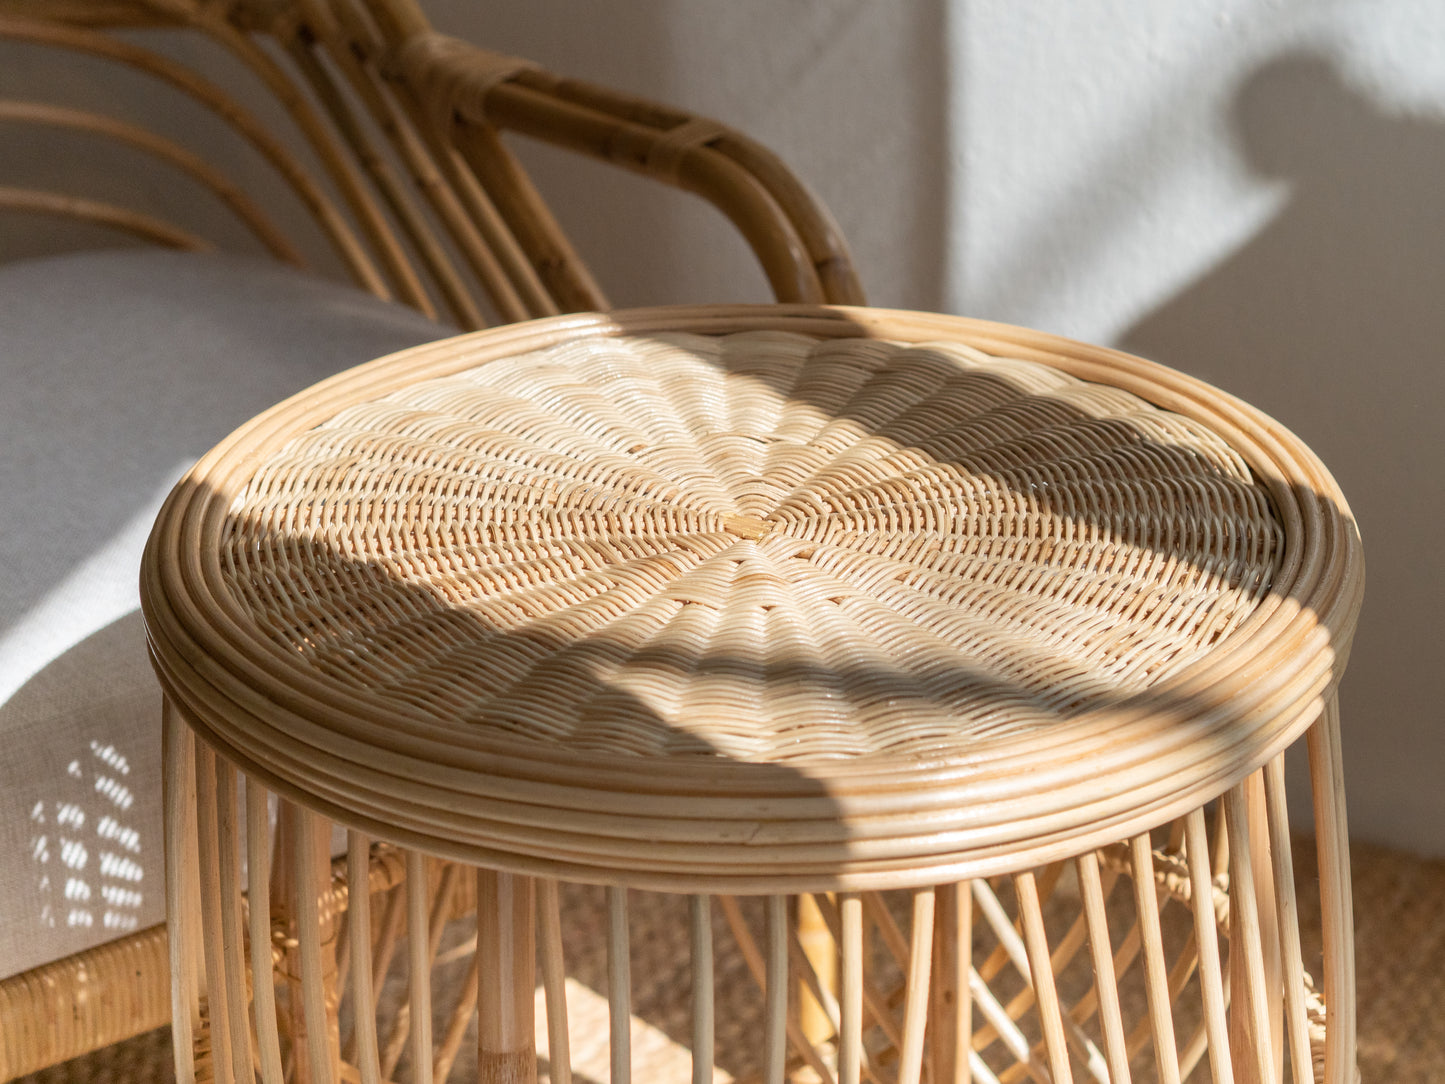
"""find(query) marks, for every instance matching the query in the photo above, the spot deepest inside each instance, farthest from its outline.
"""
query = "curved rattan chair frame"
(395, 152)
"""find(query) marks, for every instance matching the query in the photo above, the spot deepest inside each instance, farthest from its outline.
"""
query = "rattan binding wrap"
(838, 599)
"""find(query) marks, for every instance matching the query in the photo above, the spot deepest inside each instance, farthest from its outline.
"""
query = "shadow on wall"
(1333, 320)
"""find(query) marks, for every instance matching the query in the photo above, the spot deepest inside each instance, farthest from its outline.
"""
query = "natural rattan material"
(756, 612)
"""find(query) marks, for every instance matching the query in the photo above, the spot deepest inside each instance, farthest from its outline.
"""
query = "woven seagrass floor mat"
(1400, 937)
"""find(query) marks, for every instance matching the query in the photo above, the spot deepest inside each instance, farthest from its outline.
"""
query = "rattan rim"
(1009, 805)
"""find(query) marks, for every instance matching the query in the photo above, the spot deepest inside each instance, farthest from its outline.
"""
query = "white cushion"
(117, 370)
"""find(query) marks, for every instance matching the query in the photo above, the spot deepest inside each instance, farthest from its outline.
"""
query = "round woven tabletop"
(754, 598)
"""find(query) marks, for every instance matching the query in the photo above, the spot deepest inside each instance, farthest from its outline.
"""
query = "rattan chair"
(389, 143)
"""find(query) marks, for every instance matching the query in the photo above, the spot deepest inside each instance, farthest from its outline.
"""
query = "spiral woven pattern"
(765, 546)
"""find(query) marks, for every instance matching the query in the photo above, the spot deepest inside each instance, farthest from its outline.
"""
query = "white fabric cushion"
(117, 370)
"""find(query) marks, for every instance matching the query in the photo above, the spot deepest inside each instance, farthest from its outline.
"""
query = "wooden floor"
(1400, 937)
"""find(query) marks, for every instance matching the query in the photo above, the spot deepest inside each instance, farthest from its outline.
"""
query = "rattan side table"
(928, 681)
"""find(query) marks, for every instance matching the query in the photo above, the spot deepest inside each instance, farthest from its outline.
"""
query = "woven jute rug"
(1400, 939)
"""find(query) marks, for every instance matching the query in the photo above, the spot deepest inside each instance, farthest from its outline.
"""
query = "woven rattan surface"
(1401, 982)
(753, 596)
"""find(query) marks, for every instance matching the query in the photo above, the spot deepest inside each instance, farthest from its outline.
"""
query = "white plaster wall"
(1250, 190)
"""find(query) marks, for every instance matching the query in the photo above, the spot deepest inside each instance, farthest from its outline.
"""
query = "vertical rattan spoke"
(775, 991)
(182, 894)
(1179, 976)
(818, 965)
(700, 944)
(554, 981)
(915, 1011)
(1249, 1010)
(619, 985)
(952, 1012)
(943, 987)
(363, 996)
(506, 962)
(393, 917)
(1013, 947)
(418, 935)
(433, 925)
(232, 942)
(1031, 916)
(258, 898)
(1146, 902)
(393, 922)
(310, 882)
(809, 985)
(213, 952)
(1220, 858)
(850, 944)
(1261, 852)
(1206, 933)
(1292, 965)
(1106, 989)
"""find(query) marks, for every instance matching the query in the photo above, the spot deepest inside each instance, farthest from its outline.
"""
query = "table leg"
(178, 781)
(506, 979)
(1336, 906)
